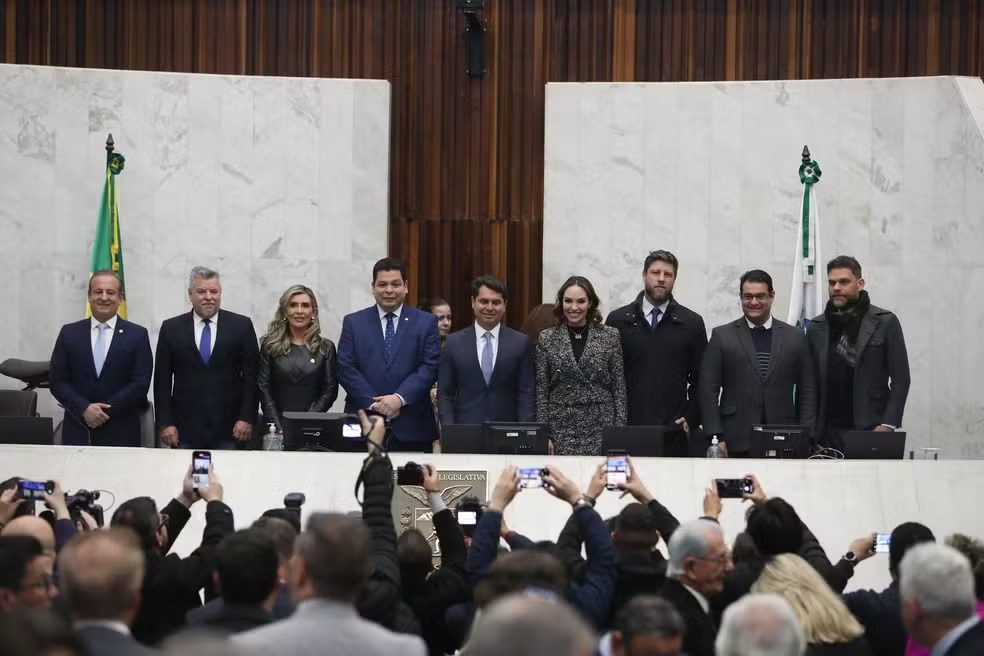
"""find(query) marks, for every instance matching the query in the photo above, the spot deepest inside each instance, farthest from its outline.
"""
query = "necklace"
(578, 333)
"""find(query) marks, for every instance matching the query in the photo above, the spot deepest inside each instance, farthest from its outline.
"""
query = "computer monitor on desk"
(26, 430)
(462, 438)
(322, 431)
(639, 441)
(784, 442)
(874, 445)
(516, 438)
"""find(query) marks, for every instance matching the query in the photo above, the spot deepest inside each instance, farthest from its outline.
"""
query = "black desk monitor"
(322, 431)
(516, 438)
(784, 442)
(874, 445)
(462, 438)
(640, 441)
(26, 430)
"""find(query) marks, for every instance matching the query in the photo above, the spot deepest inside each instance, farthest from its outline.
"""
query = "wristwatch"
(851, 558)
(583, 501)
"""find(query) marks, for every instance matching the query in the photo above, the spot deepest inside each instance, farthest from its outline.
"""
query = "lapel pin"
(120, 331)
(312, 360)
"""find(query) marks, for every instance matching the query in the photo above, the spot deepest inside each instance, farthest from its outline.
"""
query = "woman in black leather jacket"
(297, 364)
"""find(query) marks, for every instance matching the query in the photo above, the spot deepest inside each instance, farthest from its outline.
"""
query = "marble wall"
(271, 181)
(709, 171)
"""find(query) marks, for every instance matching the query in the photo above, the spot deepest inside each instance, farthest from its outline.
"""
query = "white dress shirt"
(382, 319)
(200, 326)
(767, 325)
(647, 310)
(94, 333)
(480, 342)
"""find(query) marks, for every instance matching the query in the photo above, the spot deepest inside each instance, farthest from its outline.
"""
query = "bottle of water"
(715, 451)
(273, 441)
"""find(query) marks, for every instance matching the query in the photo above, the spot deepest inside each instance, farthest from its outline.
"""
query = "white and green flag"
(807, 295)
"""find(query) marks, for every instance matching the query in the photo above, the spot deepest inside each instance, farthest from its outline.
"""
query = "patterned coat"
(579, 399)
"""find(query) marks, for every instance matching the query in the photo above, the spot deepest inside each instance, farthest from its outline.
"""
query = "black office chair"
(14, 403)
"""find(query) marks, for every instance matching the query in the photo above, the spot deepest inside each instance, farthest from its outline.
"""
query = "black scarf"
(848, 319)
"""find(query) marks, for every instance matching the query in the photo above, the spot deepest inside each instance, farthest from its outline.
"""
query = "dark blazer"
(462, 395)
(701, 628)
(219, 617)
(410, 371)
(788, 393)
(204, 401)
(881, 379)
(856, 647)
(970, 643)
(880, 613)
(102, 641)
(662, 365)
(122, 384)
(299, 381)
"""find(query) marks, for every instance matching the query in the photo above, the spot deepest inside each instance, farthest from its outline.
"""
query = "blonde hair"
(824, 617)
(276, 341)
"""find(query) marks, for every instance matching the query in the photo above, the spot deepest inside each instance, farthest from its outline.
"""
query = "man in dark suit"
(662, 344)
(387, 360)
(761, 367)
(699, 561)
(205, 381)
(862, 364)
(938, 604)
(101, 369)
(486, 371)
(100, 575)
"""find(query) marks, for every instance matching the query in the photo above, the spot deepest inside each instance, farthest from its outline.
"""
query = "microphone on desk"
(85, 427)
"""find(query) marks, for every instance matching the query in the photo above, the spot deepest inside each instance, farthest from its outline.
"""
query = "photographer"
(427, 591)
(172, 584)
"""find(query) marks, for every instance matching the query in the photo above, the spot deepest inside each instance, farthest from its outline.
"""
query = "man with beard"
(862, 364)
(662, 344)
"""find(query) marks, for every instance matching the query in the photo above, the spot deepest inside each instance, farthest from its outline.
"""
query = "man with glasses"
(25, 574)
(757, 370)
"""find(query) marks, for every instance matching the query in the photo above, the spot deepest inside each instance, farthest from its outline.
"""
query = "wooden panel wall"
(466, 169)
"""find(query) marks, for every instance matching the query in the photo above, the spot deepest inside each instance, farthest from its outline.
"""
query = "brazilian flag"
(107, 252)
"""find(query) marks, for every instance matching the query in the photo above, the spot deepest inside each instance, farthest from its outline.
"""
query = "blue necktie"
(205, 345)
(390, 333)
(487, 357)
(99, 351)
(654, 317)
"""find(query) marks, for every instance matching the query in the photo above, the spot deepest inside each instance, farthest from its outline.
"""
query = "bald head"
(101, 573)
(524, 625)
(33, 527)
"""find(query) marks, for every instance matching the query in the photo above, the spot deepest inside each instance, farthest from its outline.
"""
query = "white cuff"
(436, 502)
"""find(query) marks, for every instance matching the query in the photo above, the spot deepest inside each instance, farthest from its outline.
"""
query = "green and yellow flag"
(107, 252)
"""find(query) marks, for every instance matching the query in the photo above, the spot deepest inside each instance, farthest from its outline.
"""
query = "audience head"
(904, 537)
(699, 557)
(246, 566)
(331, 559)
(577, 303)
(289, 516)
(635, 529)
(744, 550)
(199, 643)
(281, 532)
(488, 299)
(297, 310)
(389, 283)
(659, 273)
(205, 291)
(539, 319)
(101, 574)
(844, 281)
(25, 574)
(937, 590)
(759, 625)
(974, 551)
(647, 626)
(22, 507)
(105, 294)
(36, 528)
(821, 613)
(415, 555)
(140, 516)
(35, 632)
(440, 309)
(527, 570)
(529, 625)
(775, 527)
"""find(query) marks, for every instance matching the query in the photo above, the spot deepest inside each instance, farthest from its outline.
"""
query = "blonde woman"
(828, 625)
(297, 364)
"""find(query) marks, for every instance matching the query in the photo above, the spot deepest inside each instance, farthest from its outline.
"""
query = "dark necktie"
(654, 317)
(390, 333)
(205, 345)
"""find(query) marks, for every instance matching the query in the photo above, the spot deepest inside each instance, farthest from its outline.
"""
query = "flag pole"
(110, 146)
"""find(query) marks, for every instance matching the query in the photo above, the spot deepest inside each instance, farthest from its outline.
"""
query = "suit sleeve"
(133, 395)
(349, 375)
(251, 356)
(593, 597)
(265, 384)
(709, 386)
(484, 546)
(163, 373)
(59, 379)
(526, 389)
(806, 389)
(447, 386)
(697, 347)
(416, 387)
(898, 372)
(542, 383)
(616, 367)
(329, 382)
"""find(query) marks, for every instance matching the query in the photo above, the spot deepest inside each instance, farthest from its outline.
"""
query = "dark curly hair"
(594, 314)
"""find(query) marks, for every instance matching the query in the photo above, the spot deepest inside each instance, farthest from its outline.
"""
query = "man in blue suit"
(387, 360)
(100, 371)
(486, 371)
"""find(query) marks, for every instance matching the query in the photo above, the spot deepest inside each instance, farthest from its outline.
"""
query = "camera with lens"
(293, 502)
(410, 474)
(85, 500)
(468, 512)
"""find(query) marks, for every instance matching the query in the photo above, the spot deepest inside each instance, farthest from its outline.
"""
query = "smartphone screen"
(734, 488)
(467, 517)
(30, 489)
(882, 542)
(617, 469)
(352, 431)
(200, 460)
(530, 477)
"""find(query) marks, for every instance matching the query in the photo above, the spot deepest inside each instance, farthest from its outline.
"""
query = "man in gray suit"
(862, 364)
(760, 366)
(331, 565)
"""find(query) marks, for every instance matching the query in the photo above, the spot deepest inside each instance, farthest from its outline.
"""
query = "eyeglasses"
(761, 298)
(721, 560)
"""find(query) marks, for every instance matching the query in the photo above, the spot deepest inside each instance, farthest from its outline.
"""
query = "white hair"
(524, 625)
(939, 579)
(690, 541)
(760, 625)
(201, 272)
